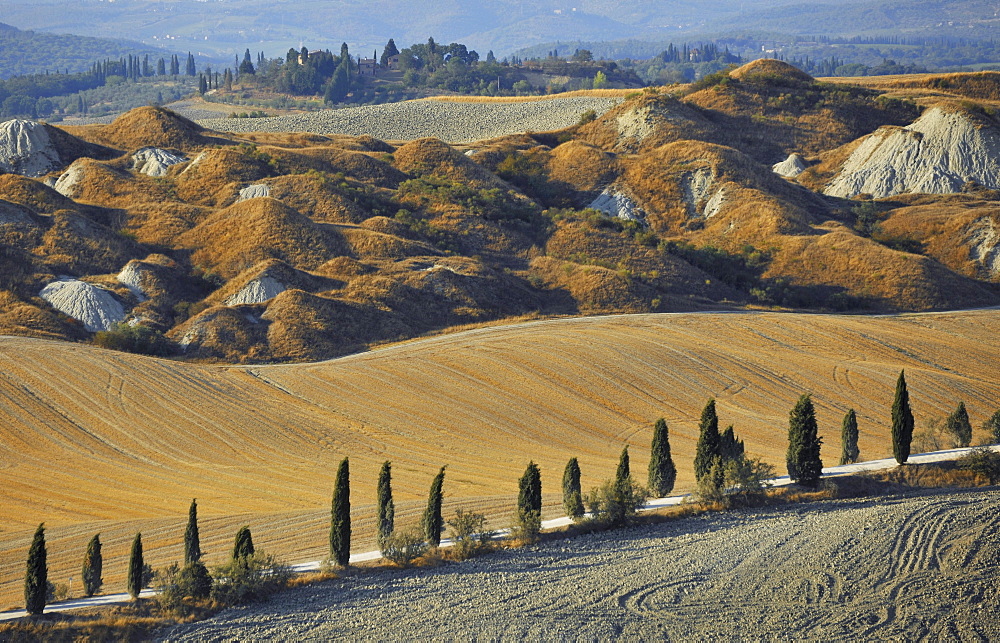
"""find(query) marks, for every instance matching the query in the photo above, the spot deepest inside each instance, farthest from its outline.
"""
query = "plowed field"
(97, 441)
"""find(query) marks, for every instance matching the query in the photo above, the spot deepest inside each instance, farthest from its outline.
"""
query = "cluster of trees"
(720, 466)
(451, 67)
(34, 95)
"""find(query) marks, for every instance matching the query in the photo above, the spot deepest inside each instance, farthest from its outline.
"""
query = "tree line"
(720, 466)
(31, 95)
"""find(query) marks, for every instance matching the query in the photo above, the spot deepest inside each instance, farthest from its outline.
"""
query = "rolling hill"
(100, 441)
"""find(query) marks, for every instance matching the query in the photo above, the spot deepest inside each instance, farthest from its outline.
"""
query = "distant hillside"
(270, 244)
(34, 52)
(216, 30)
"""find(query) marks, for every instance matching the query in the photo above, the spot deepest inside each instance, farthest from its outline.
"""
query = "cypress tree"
(662, 472)
(849, 439)
(135, 568)
(802, 459)
(708, 441)
(202, 84)
(190, 68)
(958, 425)
(730, 447)
(433, 522)
(246, 67)
(36, 578)
(340, 84)
(902, 421)
(243, 546)
(192, 542)
(529, 497)
(572, 496)
(388, 51)
(340, 516)
(93, 566)
(992, 426)
(386, 507)
(624, 472)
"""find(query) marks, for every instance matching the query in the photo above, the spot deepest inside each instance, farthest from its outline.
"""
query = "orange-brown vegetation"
(235, 238)
(720, 229)
(99, 441)
(145, 126)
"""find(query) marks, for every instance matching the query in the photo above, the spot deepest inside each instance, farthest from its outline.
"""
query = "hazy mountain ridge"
(219, 30)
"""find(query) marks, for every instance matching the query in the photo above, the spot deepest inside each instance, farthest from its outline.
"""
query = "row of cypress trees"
(37, 587)
(714, 448)
(36, 581)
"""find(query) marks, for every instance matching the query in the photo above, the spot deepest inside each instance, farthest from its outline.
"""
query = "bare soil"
(910, 567)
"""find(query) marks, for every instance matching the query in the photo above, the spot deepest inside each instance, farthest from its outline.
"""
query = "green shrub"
(247, 579)
(175, 583)
(403, 547)
(615, 503)
(992, 426)
(730, 479)
(135, 339)
(469, 533)
(984, 462)
(525, 527)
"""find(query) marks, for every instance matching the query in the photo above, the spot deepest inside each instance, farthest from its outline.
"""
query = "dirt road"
(908, 567)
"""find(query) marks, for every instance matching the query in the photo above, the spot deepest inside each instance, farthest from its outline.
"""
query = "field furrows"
(92, 440)
(803, 573)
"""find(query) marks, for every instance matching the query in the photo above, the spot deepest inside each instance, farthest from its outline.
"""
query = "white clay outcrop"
(96, 307)
(253, 192)
(26, 149)
(257, 291)
(791, 167)
(936, 154)
(154, 162)
(702, 197)
(131, 277)
(616, 204)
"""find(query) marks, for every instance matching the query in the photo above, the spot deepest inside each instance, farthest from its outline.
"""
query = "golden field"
(100, 441)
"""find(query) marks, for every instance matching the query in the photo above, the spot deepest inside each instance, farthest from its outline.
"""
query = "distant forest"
(62, 53)
(110, 85)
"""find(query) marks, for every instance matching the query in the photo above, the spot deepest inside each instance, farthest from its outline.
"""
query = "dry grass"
(131, 622)
(983, 85)
(235, 238)
(106, 442)
(585, 167)
(146, 126)
(770, 70)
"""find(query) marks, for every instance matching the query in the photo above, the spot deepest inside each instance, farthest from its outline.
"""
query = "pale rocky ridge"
(984, 243)
(617, 204)
(703, 199)
(937, 154)
(154, 161)
(67, 181)
(27, 149)
(131, 277)
(791, 167)
(257, 291)
(96, 307)
(254, 191)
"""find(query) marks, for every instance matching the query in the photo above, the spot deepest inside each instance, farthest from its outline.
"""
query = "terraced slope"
(93, 441)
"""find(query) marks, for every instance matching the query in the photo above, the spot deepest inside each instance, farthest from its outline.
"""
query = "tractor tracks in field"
(919, 566)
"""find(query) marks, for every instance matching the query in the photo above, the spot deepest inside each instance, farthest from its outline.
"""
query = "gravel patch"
(921, 566)
(452, 122)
